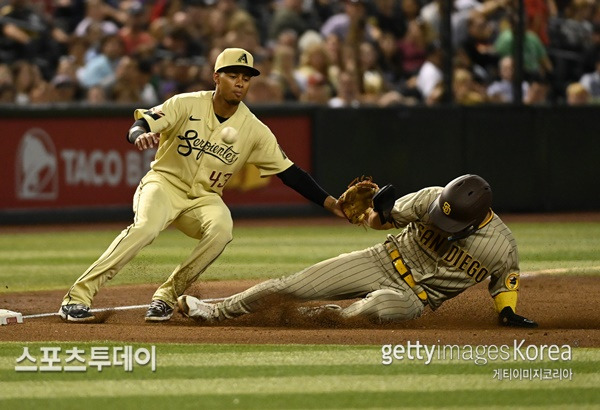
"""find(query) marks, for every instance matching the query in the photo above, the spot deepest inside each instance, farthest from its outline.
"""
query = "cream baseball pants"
(157, 204)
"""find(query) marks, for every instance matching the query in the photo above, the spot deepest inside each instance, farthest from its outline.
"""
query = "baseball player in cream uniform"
(450, 240)
(203, 139)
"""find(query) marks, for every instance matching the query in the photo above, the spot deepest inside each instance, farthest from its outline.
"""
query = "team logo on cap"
(512, 281)
(243, 59)
(446, 208)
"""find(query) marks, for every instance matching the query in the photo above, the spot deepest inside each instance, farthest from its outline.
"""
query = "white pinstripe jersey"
(444, 268)
(192, 154)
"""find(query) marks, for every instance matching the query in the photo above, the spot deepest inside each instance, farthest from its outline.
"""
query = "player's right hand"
(147, 140)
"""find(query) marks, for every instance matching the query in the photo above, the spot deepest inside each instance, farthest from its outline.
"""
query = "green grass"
(280, 376)
(291, 376)
(33, 261)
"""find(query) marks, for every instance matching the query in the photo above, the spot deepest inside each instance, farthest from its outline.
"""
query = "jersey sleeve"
(504, 283)
(506, 279)
(267, 155)
(162, 117)
(414, 206)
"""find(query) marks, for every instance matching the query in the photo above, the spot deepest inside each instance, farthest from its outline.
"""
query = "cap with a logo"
(235, 57)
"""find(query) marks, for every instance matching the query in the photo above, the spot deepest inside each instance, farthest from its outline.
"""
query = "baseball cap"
(235, 57)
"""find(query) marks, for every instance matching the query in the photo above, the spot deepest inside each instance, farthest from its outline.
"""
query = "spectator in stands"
(265, 90)
(390, 59)
(27, 77)
(41, 93)
(591, 81)
(318, 90)
(66, 14)
(577, 94)
(592, 50)
(235, 16)
(501, 90)
(351, 25)
(535, 56)
(284, 64)
(289, 15)
(28, 35)
(334, 48)
(537, 93)
(136, 38)
(7, 88)
(176, 43)
(412, 48)
(372, 79)
(93, 41)
(132, 84)
(100, 70)
(188, 30)
(314, 59)
(466, 90)
(287, 38)
(391, 16)
(430, 74)
(97, 13)
(478, 46)
(64, 89)
(538, 14)
(96, 95)
(195, 19)
(348, 92)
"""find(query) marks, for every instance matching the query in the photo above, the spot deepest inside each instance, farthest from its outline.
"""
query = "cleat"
(194, 308)
(317, 310)
(76, 313)
(158, 311)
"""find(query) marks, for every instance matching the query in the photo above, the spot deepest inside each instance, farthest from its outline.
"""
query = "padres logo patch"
(446, 208)
(512, 281)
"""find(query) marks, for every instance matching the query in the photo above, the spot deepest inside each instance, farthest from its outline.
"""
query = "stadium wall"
(73, 164)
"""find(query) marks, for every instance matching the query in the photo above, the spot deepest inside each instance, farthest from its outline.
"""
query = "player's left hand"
(509, 318)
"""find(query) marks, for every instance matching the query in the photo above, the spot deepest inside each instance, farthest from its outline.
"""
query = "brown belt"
(405, 273)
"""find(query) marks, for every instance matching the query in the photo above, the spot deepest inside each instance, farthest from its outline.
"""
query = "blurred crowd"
(334, 52)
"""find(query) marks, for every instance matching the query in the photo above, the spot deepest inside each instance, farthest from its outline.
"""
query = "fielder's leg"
(153, 213)
(210, 222)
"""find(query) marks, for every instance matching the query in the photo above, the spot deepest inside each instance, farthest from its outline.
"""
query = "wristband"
(135, 132)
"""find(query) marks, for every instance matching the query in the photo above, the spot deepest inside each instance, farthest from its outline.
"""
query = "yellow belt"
(405, 273)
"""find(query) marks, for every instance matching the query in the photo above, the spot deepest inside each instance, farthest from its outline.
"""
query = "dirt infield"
(567, 309)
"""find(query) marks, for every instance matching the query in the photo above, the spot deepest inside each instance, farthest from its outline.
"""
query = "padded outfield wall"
(68, 165)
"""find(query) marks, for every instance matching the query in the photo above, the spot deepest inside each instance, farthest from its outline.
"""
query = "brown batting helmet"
(462, 205)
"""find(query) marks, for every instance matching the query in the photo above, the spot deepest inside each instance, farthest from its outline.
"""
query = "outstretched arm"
(301, 182)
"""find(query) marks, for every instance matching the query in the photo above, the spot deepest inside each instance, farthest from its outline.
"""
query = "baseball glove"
(357, 201)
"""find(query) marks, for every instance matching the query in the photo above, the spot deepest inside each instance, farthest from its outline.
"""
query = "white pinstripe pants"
(366, 274)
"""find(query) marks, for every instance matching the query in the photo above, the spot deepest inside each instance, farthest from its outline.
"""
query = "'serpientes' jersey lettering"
(193, 147)
(446, 268)
(193, 144)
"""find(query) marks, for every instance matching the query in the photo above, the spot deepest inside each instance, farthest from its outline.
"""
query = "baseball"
(229, 135)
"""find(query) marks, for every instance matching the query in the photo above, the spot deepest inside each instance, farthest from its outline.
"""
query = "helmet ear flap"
(464, 233)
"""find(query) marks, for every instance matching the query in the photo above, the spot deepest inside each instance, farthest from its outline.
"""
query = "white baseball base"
(8, 317)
